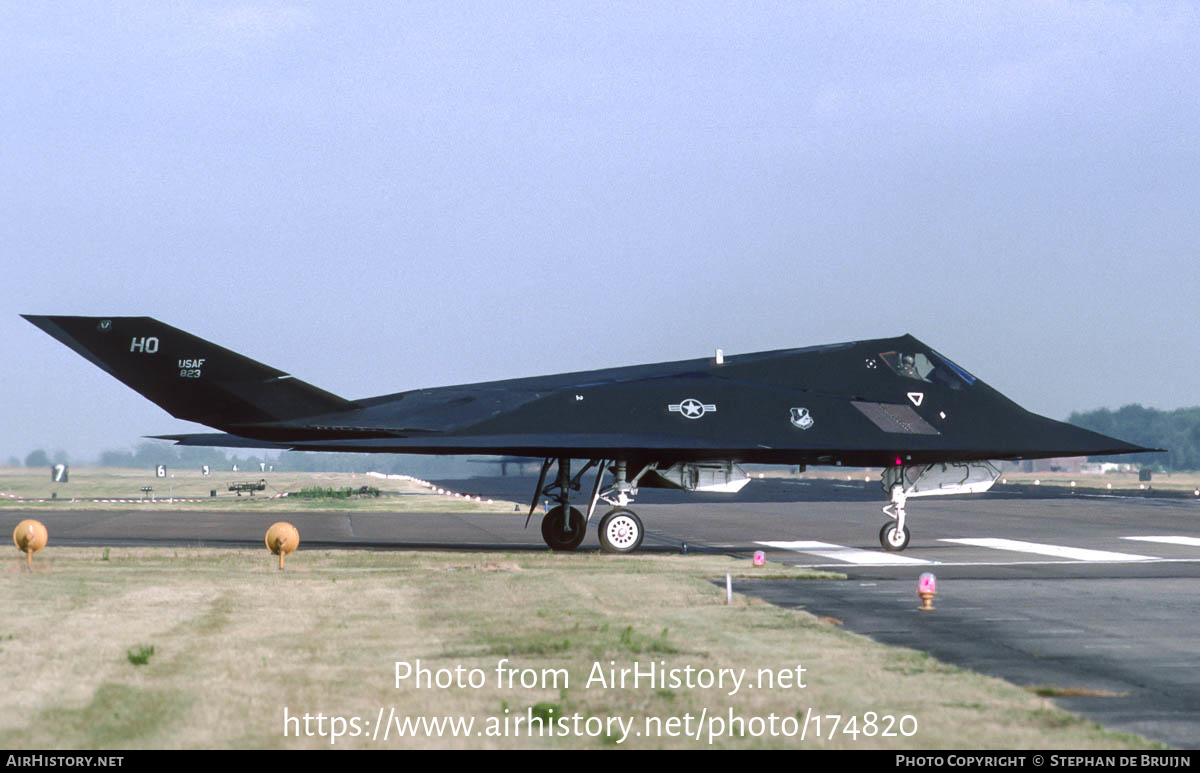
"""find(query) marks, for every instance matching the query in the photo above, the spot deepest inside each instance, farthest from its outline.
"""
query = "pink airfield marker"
(927, 589)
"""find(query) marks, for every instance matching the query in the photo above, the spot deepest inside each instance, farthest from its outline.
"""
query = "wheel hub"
(622, 531)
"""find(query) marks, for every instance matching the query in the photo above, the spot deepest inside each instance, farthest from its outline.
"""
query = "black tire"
(556, 536)
(621, 531)
(888, 538)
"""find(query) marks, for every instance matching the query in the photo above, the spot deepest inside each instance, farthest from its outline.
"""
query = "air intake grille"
(896, 418)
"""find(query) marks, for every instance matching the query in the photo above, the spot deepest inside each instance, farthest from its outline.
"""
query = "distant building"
(1071, 464)
(1099, 468)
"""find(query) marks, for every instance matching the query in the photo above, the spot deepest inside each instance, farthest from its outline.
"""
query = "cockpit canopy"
(931, 367)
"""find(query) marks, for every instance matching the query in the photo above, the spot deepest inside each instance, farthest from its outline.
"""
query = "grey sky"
(382, 196)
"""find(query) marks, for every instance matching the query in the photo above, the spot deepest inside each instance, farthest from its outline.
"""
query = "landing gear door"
(924, 480)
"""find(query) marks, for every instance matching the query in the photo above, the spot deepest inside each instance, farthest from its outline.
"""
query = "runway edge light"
(760, 558)
(282, 539)
(927, 589)
(30, 536)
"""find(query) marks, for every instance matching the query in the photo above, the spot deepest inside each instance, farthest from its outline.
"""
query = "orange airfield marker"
(282, 539)
(30, 536)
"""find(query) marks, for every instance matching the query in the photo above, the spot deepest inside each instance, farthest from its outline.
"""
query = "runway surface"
(1073, 592)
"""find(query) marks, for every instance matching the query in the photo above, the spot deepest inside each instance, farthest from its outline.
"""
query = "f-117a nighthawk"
(893, 403)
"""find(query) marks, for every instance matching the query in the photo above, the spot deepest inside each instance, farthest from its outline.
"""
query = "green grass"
(120, 715)
(326, 492)
(235, 642)
(140, 655)
(1051, 691)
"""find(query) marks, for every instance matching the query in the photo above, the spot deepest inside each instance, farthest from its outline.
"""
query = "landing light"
(927, 589)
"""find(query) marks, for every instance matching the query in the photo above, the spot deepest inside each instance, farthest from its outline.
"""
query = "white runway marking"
(843, 553)
(1045, 562)
(1057, 551)
(1189, 541)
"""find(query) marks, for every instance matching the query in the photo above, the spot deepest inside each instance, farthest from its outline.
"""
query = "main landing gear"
(565, 527)
(620, 531)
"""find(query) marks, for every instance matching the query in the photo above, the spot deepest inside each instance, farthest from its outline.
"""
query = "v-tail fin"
(189, 377)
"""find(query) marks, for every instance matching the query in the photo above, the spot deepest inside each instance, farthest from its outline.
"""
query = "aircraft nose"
(1077, 441)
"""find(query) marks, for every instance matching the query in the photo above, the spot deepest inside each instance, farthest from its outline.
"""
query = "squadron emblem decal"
(692, 408)
(801, 418)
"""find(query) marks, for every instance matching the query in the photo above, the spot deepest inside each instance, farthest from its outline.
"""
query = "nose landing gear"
(894, 536)
(923, 480)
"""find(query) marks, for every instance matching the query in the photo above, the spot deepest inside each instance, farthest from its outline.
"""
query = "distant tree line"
(149, 455)
(40, 458)
(1178, 431)
(153, 454)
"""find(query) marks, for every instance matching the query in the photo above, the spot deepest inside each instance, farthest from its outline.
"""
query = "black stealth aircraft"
(893, 403)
